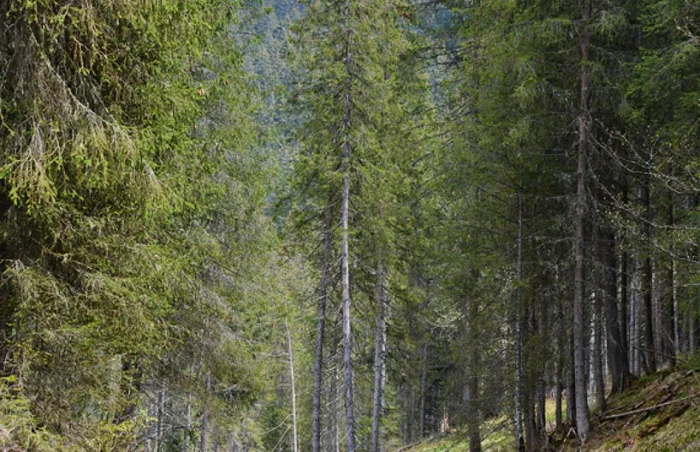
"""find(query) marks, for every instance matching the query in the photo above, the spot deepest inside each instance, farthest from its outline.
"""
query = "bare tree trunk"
(582, 421)
(345, 257)
(320, 333)
(519, 438)
(205, 417)
(290, 352)
(159, 424)
(561, 347)
(472, 377)
(571, 385)
(647, 284)
(529, 415)
(540, 414)
(624, 306)
(423, 384)
(188, 423)
(559, 388)
(333, 397)
(598, 353)
(616, 350)
(691, 333)
(671, 312)
(379, 362)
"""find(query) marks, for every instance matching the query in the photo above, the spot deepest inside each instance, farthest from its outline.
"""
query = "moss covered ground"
(659, 413)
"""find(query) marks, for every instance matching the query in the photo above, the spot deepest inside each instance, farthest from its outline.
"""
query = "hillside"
(660, 412)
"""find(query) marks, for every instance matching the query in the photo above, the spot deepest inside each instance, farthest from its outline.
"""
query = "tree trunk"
(647, 284)
(472, 386)
(205, 416)
(671, 311)
(561, 348)
(290, 353)
(624, 307)
(333, 439)
(519, 438)
(188, 423)
(540, 414)
(529, 415)
(320, 333)
(558, 390)
(582, 421)
(617, 354)
(345, 258)
(423, 385)
(571, 385)
(379, 362)
(598, 353)
(159, 425)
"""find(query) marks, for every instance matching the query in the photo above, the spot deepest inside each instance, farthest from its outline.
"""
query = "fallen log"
(650, 408)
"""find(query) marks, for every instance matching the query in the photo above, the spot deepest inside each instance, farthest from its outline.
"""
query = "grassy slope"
(675, 427)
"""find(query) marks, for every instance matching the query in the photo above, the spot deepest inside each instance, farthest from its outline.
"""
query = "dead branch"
(642, 410)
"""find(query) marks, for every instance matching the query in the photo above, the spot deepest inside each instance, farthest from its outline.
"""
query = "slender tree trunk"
(571, 385)
(529, 415)
(598, 353)
(691, 333)
(616, 351)
(423, 385)
(205, 417)
(345, 257)
(188, 423)
(333, 398)
(519, 438)
(582, 421)
(472, 377)
(540, 414)
(290, 353)
(671, 311)
(559, 387)
(624, 307)
(647, 284)
(159, 425)
(379, 361)
(320, 333)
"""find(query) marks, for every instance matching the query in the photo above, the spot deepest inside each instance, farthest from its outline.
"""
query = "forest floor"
(659, 412)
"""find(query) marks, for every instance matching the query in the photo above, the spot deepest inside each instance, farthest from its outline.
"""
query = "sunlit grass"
(550, 410)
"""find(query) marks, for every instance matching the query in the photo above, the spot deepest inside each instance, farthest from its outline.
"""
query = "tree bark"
(647, 284)
(671, 311)
(472, 377)
(616, 351)
(598, 353)
(582, 420)
(571, 385)
(379, 361)
(519, 438)
(320, 333)
(205, 417)
(188, 423)
(333, 438)
(161, 414)
(559, 387)
(290, 353)
(423, 385)
(345, 258)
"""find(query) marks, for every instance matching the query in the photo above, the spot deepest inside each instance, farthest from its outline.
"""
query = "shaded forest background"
(341, 225)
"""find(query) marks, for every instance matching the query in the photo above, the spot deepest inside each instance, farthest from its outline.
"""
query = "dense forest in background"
(341, 225)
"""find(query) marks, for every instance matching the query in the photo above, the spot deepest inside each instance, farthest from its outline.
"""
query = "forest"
(349, 225)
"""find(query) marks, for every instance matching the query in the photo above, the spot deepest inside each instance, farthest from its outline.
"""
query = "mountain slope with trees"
(348, 224)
